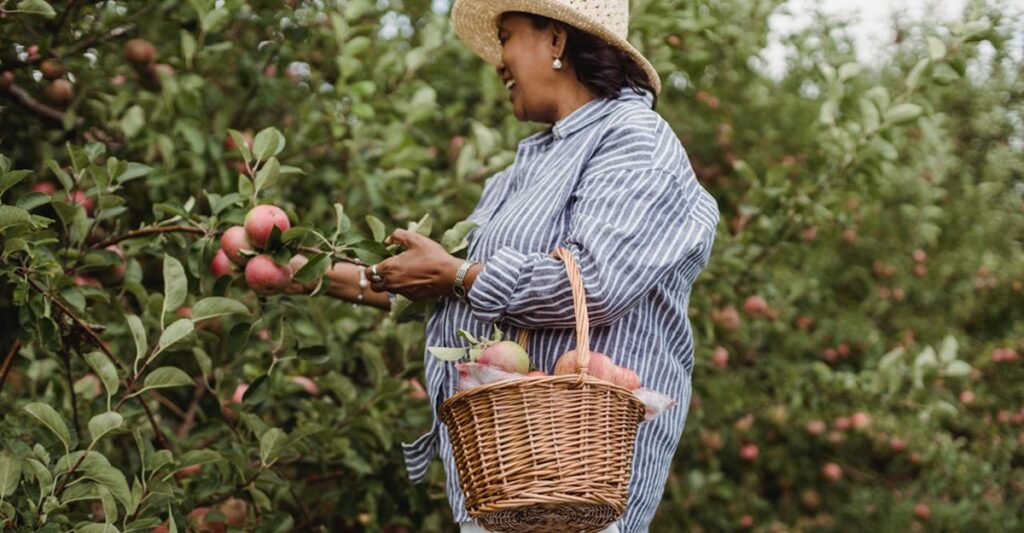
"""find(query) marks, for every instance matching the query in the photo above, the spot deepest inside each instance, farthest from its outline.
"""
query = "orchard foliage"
(859, 328)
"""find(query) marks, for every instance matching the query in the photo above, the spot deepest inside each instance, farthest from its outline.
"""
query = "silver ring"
(374, 276)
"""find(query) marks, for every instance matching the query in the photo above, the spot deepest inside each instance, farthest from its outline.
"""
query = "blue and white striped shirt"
(611, 183)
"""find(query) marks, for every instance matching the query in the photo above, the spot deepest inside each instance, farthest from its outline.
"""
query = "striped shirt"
(612, 183)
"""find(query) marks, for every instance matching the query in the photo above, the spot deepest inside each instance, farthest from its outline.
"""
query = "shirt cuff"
(493, 288)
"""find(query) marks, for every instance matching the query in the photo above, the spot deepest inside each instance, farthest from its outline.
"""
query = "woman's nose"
(501, 68)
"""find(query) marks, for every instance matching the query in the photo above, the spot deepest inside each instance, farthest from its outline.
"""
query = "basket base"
(550, 518)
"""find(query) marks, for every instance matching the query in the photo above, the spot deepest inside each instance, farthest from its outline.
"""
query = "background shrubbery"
(859, 327)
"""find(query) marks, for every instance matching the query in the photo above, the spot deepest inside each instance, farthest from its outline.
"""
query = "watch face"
(459, 291)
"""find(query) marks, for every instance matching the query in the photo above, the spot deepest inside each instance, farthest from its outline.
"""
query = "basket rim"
(572, 380)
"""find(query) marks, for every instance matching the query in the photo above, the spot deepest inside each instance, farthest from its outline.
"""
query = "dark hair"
(604, 69)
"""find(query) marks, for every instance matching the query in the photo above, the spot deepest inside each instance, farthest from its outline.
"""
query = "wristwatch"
(459, 288)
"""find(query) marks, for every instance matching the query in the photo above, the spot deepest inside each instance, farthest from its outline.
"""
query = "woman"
(608, 180)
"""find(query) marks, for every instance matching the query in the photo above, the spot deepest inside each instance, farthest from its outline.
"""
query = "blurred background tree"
(859, 328)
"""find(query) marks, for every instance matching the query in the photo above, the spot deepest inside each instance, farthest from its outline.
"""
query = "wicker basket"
(546, 454)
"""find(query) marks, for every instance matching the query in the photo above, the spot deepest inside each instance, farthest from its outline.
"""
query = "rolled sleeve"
(629, 230)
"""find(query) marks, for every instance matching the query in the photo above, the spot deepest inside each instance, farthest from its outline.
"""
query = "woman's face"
(525, 68)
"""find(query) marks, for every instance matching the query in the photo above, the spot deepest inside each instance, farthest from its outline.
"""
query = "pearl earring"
(556, 64)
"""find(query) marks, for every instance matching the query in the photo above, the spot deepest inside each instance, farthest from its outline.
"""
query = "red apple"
(966, 397)
(721, 357)
(506, 355)
(188, 471)
(726, 318)
(536, 373)
(140, 53)
(236, 399)
(897, 444)
(45, 187)
(860, 420)
(233, 241)
(832, 472)
(236, 510)
(79, 198)
(60, 92)
(842, 423)
(198, 517)
(261, 220)
(221, 265)
(265, 277)
(922, 512)
(600, 365)
(755, 306)
(626, 379)
(113, 273)
(307, 384)
(749, 452)
(816, 427)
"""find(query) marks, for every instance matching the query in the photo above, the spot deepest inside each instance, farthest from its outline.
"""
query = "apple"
(966, 397)
(52, 69)
(755, 306)
(79, 198)
(850, 236)
(265, 277)
(60, 92)
(417, 391)
(536, 373)
(726, 318)
(233, 242)
(842, 423)
(85, 280)
(745, 422)
(922, 512)
(720, 358)
(816, 427)
(236, 399)
(307, 384)
(221, 265)
(897, 444)
(832, 472)
(626, 379)
(198, 517)
(600, 366)
(749, 452)
(6, 79)
(261, 220)
(746, 521)
(506, 355)
(140, 53)
(236, 510)
(188, 471)
(45, 187)
(113, 273)
(860, 420)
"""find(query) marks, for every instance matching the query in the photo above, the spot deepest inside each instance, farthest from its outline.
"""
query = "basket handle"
(579, 301)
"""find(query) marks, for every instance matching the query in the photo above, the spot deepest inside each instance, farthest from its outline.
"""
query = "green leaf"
(915, 73)
(267, 174)
(104, 423)
(343, 224)
(133, 121)
(175, 333)
(936, 48)
(455, 239)
(216, 306)
(266, 143)
(903, 113)
(53, 421)
(175, 284)
(139, 335)
(10, 473)
(377, 227)
(188, 48)
(36, 7)
(97, 528)
(215, 20)
(105, 369)
(271, 444)
(314, 269)
(165, 377)
(447, 354)
(41, 474)
(240, 144)
(957, 369)
(135, 170)
(11, 216)
(10, 179)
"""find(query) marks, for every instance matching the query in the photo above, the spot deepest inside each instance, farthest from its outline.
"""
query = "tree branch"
(25, 100)
(148, 231)
(9, 362)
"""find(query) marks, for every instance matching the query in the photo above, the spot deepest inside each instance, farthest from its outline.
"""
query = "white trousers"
(471, 527)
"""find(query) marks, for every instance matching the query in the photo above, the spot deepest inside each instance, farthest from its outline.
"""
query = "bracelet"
(459, 289)
(362, 282)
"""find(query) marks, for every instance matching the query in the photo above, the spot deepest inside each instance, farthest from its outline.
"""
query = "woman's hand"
(424, 270)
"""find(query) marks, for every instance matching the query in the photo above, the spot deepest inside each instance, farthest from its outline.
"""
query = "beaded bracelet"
(363, 283)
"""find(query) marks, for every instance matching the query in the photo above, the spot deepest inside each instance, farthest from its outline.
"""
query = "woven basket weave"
(546, 454)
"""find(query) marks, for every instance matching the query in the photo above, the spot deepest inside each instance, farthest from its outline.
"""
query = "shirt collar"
(590, 112)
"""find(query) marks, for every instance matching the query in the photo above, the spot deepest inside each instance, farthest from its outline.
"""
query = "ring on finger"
(374, 275)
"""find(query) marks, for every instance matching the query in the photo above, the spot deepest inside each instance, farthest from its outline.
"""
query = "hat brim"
(476, 23)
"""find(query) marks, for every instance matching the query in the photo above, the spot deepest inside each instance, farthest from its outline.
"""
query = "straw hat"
(476, 22)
